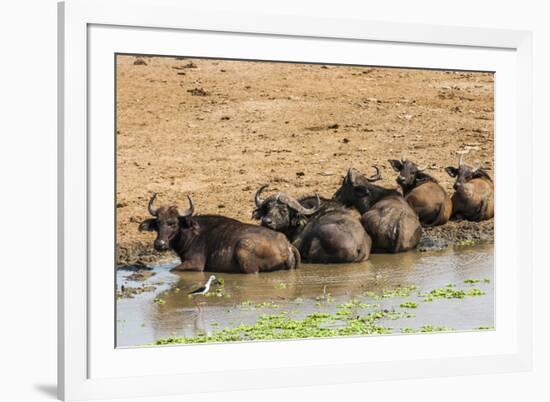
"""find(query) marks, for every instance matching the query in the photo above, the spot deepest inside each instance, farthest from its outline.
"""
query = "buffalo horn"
(153, 211)
(189, 211)
(376, 176)
(351, 175)
(422, 168)
(295, 205)
(460, 160)
(257, 197)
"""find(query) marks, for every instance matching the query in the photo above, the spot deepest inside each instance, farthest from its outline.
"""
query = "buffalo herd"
(360, 217)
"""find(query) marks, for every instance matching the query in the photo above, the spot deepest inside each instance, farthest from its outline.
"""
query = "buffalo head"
(408, 172)
(463, 174)
(357, 190)
(167, 222)
(280, 211)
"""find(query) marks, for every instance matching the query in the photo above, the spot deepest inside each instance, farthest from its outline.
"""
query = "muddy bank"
(455, 233)
(137, 255)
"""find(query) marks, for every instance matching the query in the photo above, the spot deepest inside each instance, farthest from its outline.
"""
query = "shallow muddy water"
(168, 311)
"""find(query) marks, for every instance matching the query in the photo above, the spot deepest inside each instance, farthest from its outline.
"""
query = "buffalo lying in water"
(390, 221)
(473, 196)
(218, 244)
(423, 193)
(324, 231)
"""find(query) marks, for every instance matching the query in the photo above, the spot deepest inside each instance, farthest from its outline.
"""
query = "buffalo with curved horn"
(324, 231)
(216, 243)
(423, 192)
(473, 197)
(390, 221)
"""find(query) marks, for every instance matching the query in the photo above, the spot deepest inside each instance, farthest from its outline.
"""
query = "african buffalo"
(324, 231)
(386, 216)
(423, 193)
(473, 196)
(216, 243)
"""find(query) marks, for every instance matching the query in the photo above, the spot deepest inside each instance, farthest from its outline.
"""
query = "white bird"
(203, 289)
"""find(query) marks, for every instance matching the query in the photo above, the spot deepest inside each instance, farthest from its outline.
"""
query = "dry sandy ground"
(217, 130)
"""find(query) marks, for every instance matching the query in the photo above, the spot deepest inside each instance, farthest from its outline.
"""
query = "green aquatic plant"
(281, 326)
(408, 304)
(484, 280)
(425, 328)
(398, 291)
(267, 304)
(449, 292)
(281, 285)
(430, 328)
(159, 301)
(354, 303)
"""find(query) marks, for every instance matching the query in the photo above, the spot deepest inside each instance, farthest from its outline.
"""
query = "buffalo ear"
(481, 174)
(396, 164)
(195, 227)
(451, 171)
(257, 214)
(148, 225)
(297, 220)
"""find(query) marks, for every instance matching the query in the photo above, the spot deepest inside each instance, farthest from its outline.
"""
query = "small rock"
(198, 92)
(139, 62)
(141, 275)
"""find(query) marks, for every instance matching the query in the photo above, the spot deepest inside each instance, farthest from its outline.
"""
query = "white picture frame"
(90, 32)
